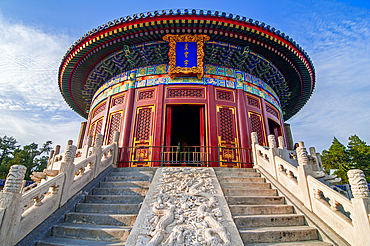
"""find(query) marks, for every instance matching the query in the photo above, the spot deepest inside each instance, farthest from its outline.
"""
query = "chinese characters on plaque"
(186, 54)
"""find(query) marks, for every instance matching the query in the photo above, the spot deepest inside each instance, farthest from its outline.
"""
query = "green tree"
(337, 158)
(32, 157)
(360, 155)
(341, 158)
(7, 146)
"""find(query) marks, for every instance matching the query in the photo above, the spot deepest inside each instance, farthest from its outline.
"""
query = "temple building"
(166, 91)
(186, 87)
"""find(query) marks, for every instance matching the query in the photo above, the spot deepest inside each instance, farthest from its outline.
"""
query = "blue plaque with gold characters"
(186, 55)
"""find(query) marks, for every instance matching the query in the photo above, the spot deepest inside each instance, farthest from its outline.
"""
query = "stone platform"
(183, 206)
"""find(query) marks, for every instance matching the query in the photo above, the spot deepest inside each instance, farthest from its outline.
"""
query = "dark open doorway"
(185, 125)
(185, 133)
(274, 129)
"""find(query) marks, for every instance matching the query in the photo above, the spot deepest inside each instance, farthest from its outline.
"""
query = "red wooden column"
(126, 122)
(244, 131)
(212, 126)
(168, 126)
(87, 131)
(265, 120)
(158, 125)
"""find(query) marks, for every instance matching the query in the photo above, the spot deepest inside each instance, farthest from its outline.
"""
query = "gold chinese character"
(186, 46)
(186, 54)
(186, 63)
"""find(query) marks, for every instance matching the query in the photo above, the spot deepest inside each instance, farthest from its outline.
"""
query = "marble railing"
(22, 210)
(299, 172)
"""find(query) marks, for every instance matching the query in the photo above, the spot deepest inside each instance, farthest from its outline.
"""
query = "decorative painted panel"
(144, 119)
(227, 137)
(225, 95)
(142, 136)
(227, 125)
(272, 111)
(174, 93)
(256, 124)
(114, 125)
(147, 94)
(214, 75)
(99, 109)
(118, 100)
(253, 102)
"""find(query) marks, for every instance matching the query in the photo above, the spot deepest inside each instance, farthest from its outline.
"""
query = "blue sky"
(34, 36)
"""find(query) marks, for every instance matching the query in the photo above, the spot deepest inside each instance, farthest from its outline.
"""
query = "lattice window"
(144, 119)
(256, 127)
(272, 111)
(95, 128)
(253, 101)
(115, 124)
(92, 129)
(99, 109)
(146, 95)
(198, 93)
(118, 100)
(226, 125)
(225, 95)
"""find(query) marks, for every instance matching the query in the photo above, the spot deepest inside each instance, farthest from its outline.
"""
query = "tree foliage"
(341, 158)
(33, 157)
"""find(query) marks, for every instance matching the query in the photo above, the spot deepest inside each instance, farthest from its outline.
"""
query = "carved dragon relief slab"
(184, 209)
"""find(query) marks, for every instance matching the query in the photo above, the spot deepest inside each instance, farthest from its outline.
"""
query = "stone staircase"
(262, 217)
(107, 214)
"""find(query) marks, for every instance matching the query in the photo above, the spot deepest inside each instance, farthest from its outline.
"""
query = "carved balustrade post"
(50, 160)
(274, 151)
(304, 169)
(283, 150)
(97, 150)
(116, 142)
(10, 209)
(281, 142)
(67, 168)
(56, 152)
(254, 142)
(361, 206)
(86, 149)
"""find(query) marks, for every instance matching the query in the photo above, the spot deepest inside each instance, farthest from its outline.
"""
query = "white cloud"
(337, 37)
(31, 106)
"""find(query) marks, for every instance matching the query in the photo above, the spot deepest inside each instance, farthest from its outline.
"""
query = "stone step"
(107, 208)
(138, 184)
(120, 191)
(232, 170)
(113, 199)
(240, 180)
(62, 241)
(237, 174)
(249, 192)
(128, 178)
(268, 220)
(101, 219)
(254, 200)
(301, 243)
(134, 169)
(91, 232)
(260, 209)
(245, 185)
(278, 234)
(137, 174)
